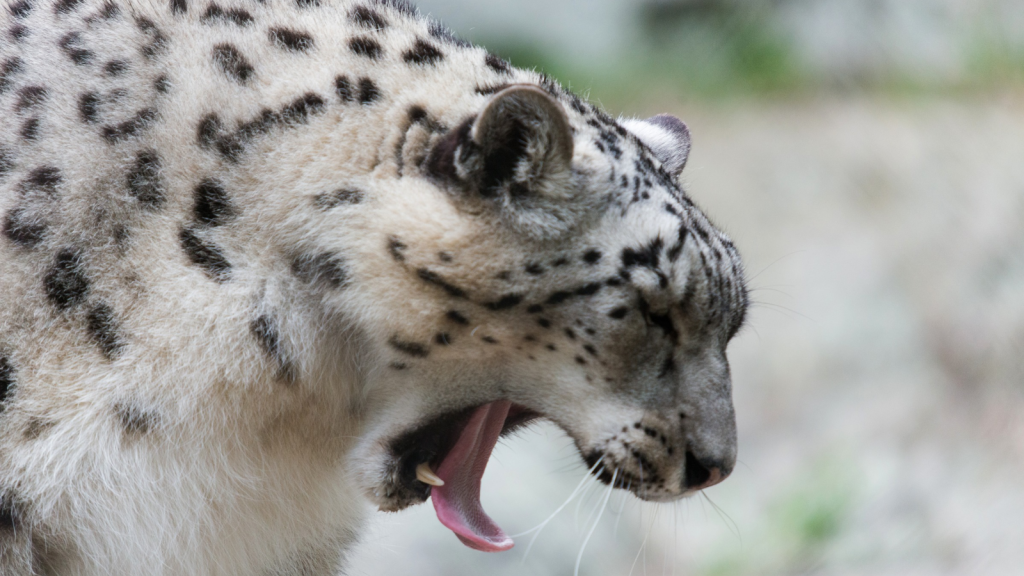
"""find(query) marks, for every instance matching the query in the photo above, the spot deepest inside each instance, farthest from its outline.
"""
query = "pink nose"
(700, 474)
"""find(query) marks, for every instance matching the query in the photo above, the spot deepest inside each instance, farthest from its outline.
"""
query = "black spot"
(492, 89)
(489, 339)
(505, 302)
(65, 6)
(398, 365)
(45, 178)
(71, 45)
(580, 360)
(11, 67)
(104, 329)
(236, 16)
(300, 109)
(368, 91)
(10, 512)
(645, 256)
(442, 339)
(444, 257)
(558, 297)
(6, 162)
(232, 63)
(367, 47)
(590, 349)
(592, 256)
(590, 332)
(6, 379)
(293, 40)
(21, 9)
(588, 289)
(457, 317)
(179, 6)
(307, 3)
(343, 88)
(208, 131)
(667, 367)
(619, 313)
(444, 34)
(534, 309)
(115, 67)
(213, 207)
(544, 323)
(570, 334)
(30, 129)
(266, 333)
(65, 283)
(130, 127)
(30, 96)
(411, 348)
(133, 419)
(162, 84)
(560, 262)
(323, 269)
(534, 269)
(157, 40)
(144, 180)
(497, 64)
(88, 107)
(206, 256)
(551, 347)
(435, 279)
(423, 52)
(368, 18)
(395, 247)
(17, 32)
(22, 230)
(402, 6)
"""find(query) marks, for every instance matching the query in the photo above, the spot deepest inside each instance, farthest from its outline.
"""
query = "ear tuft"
(666, 136)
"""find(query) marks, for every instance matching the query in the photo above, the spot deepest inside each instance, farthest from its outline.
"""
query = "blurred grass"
(708, 50)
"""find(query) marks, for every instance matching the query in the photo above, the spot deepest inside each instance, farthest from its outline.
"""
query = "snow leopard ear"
(666, 136)
(525, 144)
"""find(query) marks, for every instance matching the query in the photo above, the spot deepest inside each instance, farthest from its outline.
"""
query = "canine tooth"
(426, 475)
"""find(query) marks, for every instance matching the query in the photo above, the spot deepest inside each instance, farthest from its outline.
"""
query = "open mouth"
(445, 460)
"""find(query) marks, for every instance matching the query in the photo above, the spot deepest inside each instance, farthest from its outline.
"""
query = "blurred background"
(867, 156)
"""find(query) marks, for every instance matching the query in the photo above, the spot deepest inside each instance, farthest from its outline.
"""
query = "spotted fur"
(254, 254)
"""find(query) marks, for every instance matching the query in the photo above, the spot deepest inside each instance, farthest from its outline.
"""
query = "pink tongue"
(458, 502)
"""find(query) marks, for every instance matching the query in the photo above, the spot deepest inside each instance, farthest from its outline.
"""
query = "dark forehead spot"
(397, 248)
(323, 269)
(417, 113)
(212, 207)
(534, 309)
(368, 18)
(434, 278)
(71, 44)
(65, 6)
(300, 109)
(144, 180)
(457, 317)
(30, 96)
(534, 269)
(235, 16)
(208, 131)
(424, 53)
(179, 6)
(343, 88)
(367, 47)
(232, 63)
(592, 256)
(544, 323)
(294, 40)
(505, 302)
(162, 84)
(10, 67)
(205, 255)
(30, 129)
(131, 127)
(551, 347)
(414, 349)
(65, 282)
(21, 9)
(339, 197)
(115, 67)
(590, 349)
(22, 229)
(497, 64)
(44, 178)
(104, 330)
(442, 339)
(490, 339)
(134, 420)
(6, 378)
(89, 107)
(307, 3)
(570, 334)
(368, 91)
(560, 262)
(18, 32)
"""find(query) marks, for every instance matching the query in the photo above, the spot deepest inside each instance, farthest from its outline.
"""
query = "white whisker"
(579, 557)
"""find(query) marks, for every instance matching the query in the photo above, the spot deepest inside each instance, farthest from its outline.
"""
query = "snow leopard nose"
(701, 473)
